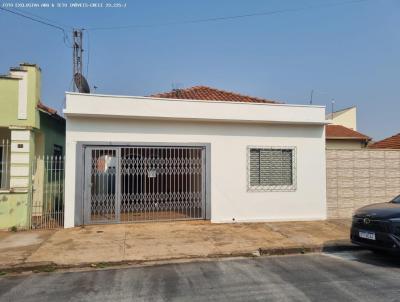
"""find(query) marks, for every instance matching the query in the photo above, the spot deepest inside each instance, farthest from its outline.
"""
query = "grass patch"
(2, 273)
(45, 269)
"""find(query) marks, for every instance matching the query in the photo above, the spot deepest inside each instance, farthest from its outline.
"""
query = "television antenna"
(80, 83)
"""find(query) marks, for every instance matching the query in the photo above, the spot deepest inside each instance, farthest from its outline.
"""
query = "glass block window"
(271, 169)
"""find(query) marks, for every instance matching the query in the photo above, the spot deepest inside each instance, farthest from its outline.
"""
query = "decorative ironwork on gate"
(144, 183)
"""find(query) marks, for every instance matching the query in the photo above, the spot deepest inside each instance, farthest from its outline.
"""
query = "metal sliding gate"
(144, 183)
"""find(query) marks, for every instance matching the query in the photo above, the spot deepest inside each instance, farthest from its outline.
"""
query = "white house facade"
(147, 158)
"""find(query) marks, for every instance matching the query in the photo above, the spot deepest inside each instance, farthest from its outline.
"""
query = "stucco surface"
(229, 142)
(229, 129)
(9, 100)
(347, 118)
(153, 108)
(13, 210)
(344, 144)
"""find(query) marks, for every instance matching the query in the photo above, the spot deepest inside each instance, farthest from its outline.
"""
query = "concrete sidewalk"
(148, 242)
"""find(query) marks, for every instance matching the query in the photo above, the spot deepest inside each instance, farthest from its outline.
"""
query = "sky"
(346, 52)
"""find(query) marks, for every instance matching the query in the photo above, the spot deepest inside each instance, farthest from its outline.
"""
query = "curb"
(47, 267)
(309, 249)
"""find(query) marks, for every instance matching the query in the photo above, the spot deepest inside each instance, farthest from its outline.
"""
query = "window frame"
(273, 188)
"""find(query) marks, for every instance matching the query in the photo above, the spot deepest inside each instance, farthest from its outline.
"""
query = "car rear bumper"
(384, 241)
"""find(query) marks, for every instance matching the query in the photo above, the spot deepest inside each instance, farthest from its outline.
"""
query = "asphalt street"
(346, 276)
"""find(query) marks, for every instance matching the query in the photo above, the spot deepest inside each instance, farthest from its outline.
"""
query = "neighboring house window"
(4, 164)
(271, 168)
(57, 150)
(58, 158)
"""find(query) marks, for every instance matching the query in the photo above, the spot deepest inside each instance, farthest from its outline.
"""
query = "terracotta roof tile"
(43, 107)
(48, 110)
(392, 142)
(212, 94)
(341, 132)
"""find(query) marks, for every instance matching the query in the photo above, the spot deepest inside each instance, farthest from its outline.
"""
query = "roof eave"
(196, 100)
(349, 138)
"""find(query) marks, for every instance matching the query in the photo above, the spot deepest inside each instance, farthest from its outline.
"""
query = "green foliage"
(45, 269)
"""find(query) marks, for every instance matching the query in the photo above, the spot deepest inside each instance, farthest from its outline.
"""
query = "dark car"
(377, 226)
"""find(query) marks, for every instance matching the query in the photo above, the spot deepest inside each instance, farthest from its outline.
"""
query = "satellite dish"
(81, 83)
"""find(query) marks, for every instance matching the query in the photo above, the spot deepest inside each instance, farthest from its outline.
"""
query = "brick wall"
(360, 177)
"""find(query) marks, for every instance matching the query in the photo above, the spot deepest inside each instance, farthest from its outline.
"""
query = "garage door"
(144, 183)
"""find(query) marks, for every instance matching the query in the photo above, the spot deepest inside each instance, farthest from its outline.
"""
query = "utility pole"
(333, 104)
(311, 96)
(77, 59)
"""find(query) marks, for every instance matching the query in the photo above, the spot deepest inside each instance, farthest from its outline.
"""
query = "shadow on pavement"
(378, 258)
(346, 250)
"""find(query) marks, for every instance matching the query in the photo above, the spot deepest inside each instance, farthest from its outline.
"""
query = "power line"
(43, 18)
(33, 19)
(65, 35)
(224, 18)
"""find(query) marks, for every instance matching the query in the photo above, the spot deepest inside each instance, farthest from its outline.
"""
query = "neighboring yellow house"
(29, 130)
(342, 132)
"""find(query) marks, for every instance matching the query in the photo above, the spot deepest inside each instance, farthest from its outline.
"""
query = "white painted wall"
(229, 141)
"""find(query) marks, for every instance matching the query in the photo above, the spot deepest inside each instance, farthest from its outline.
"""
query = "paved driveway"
(357, 276)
